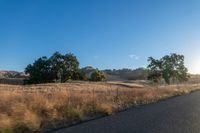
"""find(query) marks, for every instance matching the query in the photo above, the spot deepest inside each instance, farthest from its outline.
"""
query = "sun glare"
(194, 66)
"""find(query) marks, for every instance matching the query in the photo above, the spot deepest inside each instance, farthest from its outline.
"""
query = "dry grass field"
(39, 108)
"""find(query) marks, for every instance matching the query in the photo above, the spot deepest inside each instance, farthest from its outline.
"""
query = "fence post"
(93, 98)
(69, 97)
(117, 98)
(117, 94)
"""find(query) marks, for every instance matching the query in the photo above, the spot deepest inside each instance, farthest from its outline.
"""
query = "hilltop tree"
(169, 67)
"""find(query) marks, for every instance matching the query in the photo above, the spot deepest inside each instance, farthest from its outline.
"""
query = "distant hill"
(127, 74)
(12, 74)
(120, 74)
(14, 77)
(88, 70)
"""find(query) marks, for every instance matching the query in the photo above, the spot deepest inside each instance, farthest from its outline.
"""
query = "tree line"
(59, 68)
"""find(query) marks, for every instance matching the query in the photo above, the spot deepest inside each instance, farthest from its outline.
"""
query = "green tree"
(57, 68)
(155, 72)
(79, 75)
(64, 67)
(39, 71)
(57, 64)
(71, 67)
(174, 68)
(98, 76)
(170, 68)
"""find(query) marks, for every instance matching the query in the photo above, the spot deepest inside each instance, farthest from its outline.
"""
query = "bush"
(98, 76)
(79, 75)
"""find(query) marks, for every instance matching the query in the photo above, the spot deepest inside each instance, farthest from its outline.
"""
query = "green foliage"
(98, 76)
(155, 72)
(39, 71)
(57, 68)
(71, 67)
(79, 75)
(64, 66)
(170, 68)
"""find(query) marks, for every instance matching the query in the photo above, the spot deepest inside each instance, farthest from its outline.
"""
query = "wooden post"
(93, 98)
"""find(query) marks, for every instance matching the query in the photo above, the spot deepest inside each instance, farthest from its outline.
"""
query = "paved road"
(176, 115)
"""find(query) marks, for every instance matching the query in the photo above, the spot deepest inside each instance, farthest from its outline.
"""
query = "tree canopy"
(170, 68)
(57, 68)
(39, 71)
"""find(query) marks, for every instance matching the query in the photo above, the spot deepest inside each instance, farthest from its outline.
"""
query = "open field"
(39, 108)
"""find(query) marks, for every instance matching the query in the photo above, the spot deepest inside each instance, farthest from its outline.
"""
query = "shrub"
(98, 76)
(79, 75)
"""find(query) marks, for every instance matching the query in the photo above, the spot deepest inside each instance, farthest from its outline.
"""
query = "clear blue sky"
(101, 33)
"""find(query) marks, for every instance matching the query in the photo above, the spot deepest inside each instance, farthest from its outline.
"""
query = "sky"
(105, 34)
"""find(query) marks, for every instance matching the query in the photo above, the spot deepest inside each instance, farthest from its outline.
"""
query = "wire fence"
(62, 104)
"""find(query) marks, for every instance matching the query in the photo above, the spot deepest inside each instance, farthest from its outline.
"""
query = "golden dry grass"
(38, 108)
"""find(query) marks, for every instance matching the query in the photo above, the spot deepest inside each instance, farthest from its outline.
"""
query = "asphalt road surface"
(176, 115)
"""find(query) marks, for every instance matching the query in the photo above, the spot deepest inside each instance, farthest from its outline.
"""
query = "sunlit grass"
(43, 107)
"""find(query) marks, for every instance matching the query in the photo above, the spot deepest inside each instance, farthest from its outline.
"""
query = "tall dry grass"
(38, 108)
